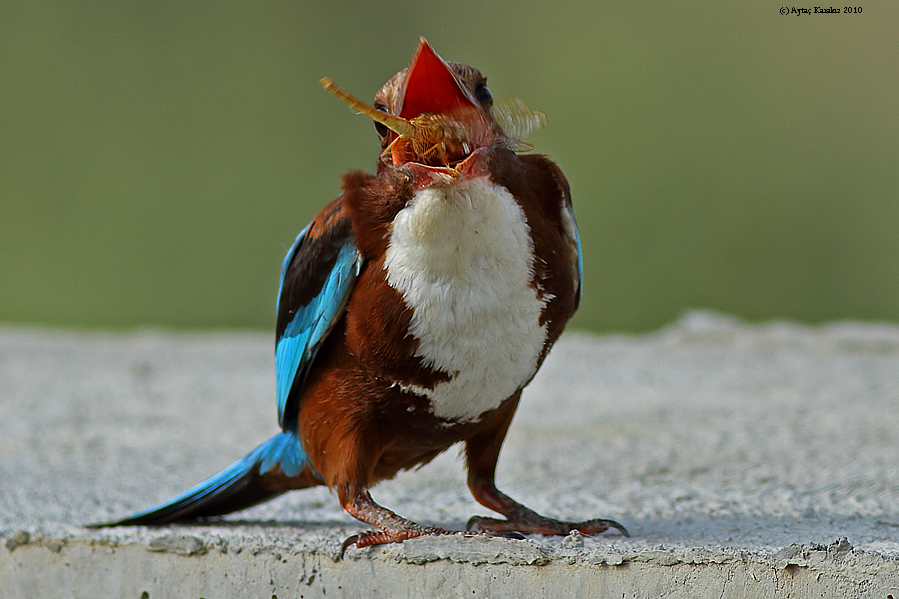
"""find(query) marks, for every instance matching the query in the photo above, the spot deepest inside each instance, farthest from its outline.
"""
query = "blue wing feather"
(317, 279)
(285, 266)
(296, 348)
(576, 242)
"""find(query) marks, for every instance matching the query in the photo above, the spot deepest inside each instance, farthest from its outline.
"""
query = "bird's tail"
(275, 467)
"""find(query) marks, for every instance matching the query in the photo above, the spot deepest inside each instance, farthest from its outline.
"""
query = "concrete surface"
(746, 460)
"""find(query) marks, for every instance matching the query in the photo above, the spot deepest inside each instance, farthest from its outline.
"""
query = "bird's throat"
(475, 165)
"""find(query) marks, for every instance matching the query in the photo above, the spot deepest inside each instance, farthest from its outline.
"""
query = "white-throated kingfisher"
(412, 312)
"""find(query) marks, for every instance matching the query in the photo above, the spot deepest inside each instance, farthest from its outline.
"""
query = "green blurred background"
(158, 157)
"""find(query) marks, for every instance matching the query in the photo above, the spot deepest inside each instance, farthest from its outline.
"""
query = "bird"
(412, 312)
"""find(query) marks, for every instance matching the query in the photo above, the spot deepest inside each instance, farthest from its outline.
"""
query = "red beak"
(431, 86)
(434, 152)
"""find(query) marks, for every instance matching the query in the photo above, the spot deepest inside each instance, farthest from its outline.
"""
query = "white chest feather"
(462, 257)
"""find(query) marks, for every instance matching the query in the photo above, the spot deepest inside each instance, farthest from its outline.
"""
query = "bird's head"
(437, 120)
(447, 103)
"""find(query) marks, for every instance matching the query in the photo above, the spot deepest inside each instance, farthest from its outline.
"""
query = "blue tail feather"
(275, 467)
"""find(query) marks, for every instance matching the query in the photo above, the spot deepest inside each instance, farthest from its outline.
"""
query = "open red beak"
(438, 127)
(431, 86)
(433, 89)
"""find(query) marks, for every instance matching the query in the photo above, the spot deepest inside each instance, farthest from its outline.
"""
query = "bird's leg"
(482, 454)
(392, 528)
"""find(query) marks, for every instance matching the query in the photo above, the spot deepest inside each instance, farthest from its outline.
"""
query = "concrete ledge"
(82, 569)
(746, 460)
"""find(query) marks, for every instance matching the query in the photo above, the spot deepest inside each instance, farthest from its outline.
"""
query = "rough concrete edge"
(479, 550)
(172, 565)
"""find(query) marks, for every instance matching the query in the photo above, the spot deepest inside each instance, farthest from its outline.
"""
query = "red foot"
(545, 526)
(380, 537)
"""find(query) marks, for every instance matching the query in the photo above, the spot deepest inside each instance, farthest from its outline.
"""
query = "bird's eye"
(483, 95)
(380, 127)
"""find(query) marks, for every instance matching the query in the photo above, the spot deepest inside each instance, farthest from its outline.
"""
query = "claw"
(350, 541)
(366, 539)
(585, 527)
